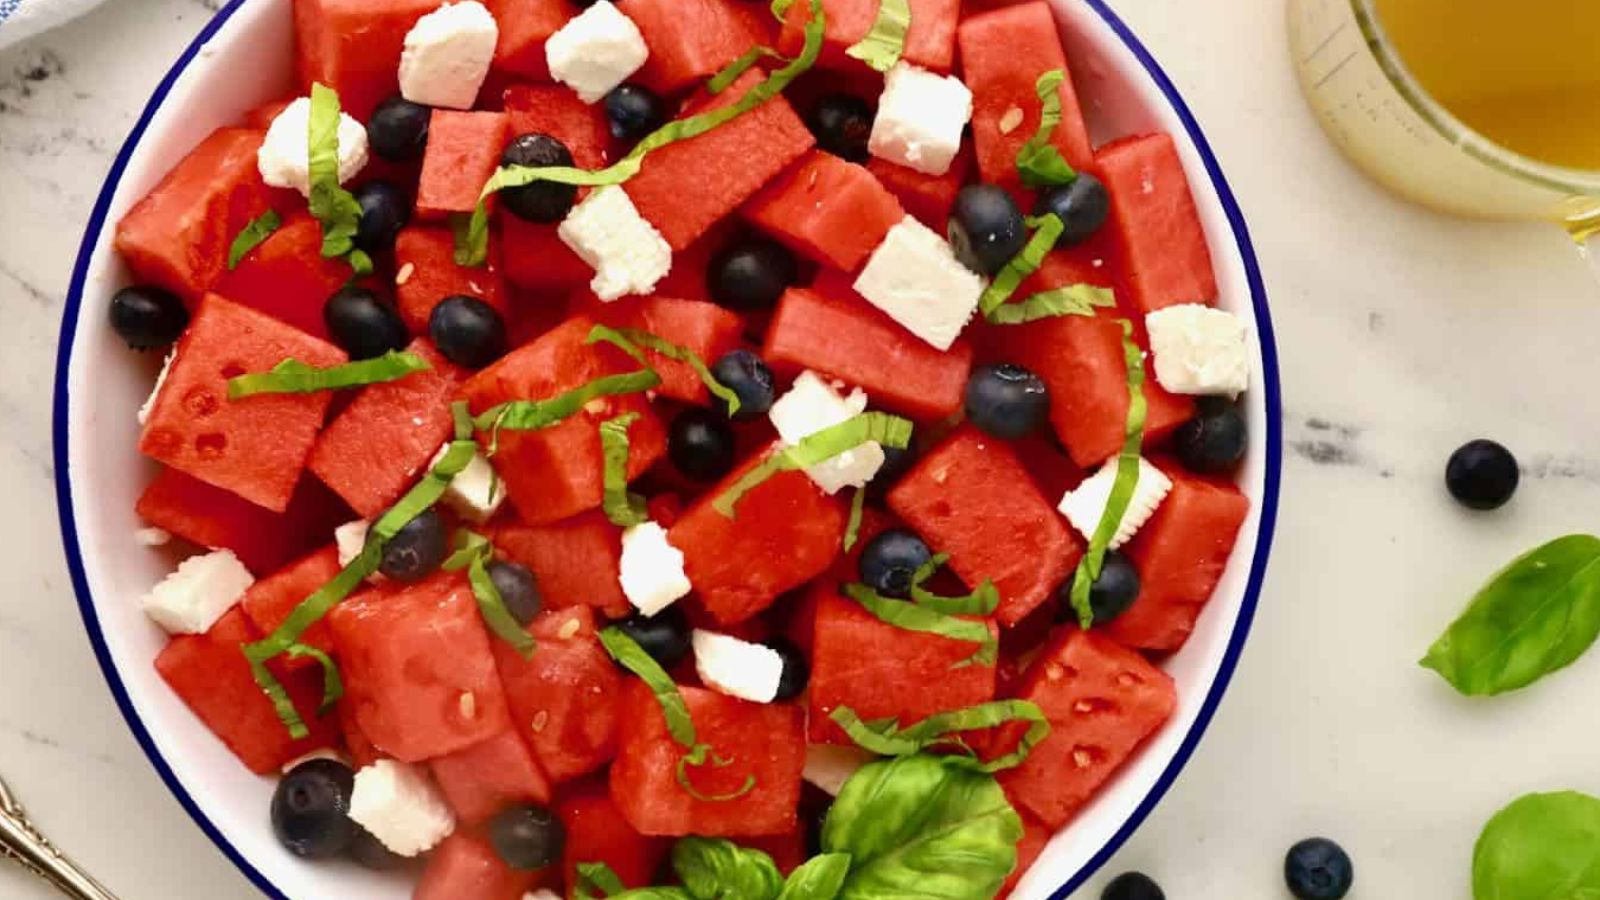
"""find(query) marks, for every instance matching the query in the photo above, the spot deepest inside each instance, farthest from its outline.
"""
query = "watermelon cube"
(418, 669)
(698, 325)
(687, 278)
(217, 519)
(255, 447)
(210, 675)
(785, 532)
(270, 600)
(353, 46)
(534, 256)
(576, 560)
(556, 472)
(261, 117)
(930, 42)
(826, 209)
(787, 850)
(884, 672)
(832, 330)
(597, 832)
(426, 272)
(525, 25)
(564, 699)
(1180, 554)
(689, 40)
(970, 497)
(1003, 53)
(287, 277)
(928, 197)
(178, 236)
(463, 151)
(1034, 836)
(688, 186)
(356, 743)
(466, 867)
(1155, 219)
(763, 741)
(375, 449)
(1103, 700)
(488, 777)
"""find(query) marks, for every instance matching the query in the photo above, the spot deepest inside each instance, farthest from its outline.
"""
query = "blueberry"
(841, 124)
(468, 331)
(1082, 206)
(519, 589)
(541, 201)
(986, 228)
(147, 317)
(889, 561)
(398, 130)
(311, 809)
(1318, 869)
(1482, 475)
(747, 375)
(417, 550)
(1214, 440)
(1132, 886)
(897, 461)
(385, 209)
(634, 111)
(370, 853)
(751, 274)
(796, 672)
(527, 837)
(700, 443)
(665, 636)
(1006, 400)
(1110, 595)
(364, 324)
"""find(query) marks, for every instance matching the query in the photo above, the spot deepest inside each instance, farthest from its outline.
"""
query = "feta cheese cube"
(198, 593)
(920, 118)
(476, 492)
(812, 405)
(447, 55)
(829, 766)
(1199, 350)
(737, 668)
(401, 807)
(915, 277)
(350, 539)
(628, 254)
(161, 379)
(651, 569)
(1084, 506)
(285, 160)
(596, 51)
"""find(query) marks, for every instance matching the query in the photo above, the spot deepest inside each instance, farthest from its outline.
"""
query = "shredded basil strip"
(1069, 300)
(1122, 487)
(629, 340)
(698, 756)
(916, 617)
(532, 415)
(870, 427)
(1025, 263)
(332, 684)
(852, 526)
(889, 739)
(981, 602)
(622, 507)
(1039, 162)
(731, 72)
(474, 552)
(883, 44)
(597, 876)
(332, 205)
(294, 377)
(281, 702)
(251, 236)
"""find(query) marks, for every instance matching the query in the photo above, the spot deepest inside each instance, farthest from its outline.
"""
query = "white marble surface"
(1401, 335)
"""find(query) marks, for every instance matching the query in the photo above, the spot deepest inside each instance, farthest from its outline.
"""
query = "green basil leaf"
(700, 755)
(655, 893)
(818, 878)
(628, 654)
(531, 415)
(281, 702)
(629, 340)
(596, 879)
(719, 869)
(889, 739)
(852, 526)
(294, 377)
(1537, 615)
(621, 506)
(1010, 277)
(914, 617)
(332, 684)
(1038, 162)
(731, 72)
(882, 428)
(886, 40)
(332, 205)
(1071, 300)
(492, 607)
(981, 602)
(922, 826)
(1541, 847)
(251, 236)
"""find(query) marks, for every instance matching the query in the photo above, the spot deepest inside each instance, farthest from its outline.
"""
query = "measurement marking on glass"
(1325, 42)
(1335, 70)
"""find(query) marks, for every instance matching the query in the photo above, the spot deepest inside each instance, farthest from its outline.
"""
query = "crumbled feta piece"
(920, 118)
(628, 254)
(829, 766)
(596, 51)
(1199, 350)
(285, 160)
(350, 539)
(1084, 505)
(737, 668)
(198, 593)
(651, 570)
(915, 277)
(152, 536)
(447, 55)
(401, 807)
(476, 492)
(161, 379)
(812, 405)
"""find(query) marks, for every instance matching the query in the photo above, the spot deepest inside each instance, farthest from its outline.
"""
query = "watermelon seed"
(210, 445)
(404, 275)
(1010, 120)
(469, 705)
(568, 629)
(540, 720)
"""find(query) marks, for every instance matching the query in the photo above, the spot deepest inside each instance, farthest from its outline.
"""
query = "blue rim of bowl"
(1219, 685)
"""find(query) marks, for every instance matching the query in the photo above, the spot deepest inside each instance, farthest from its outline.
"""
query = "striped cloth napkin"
(21, 19)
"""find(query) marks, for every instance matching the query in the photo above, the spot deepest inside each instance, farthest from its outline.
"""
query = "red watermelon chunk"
(884, 672)
(488, 777)
(701, 326)
(564, 699)
(832, 330)
(688, 186)
(786, 532)
(597, 832)
(178, 236)
(270, 600)
(463, 151)
(787, 850)
(261, 116)
(687, 278)
(287, 277)
(1180, 554)
(576, 560)
(930, 42)
(376, 449)
(766, 741)
(353, 46)
(1103, 700)
(970, 497)
(525, 26)
(928, 197)
(828, 210)
(1003, 53)
(1034, 836)
(466, 867)
(356, 742)
(1154, 216)
(417, 666)
(426, 272)
(689, 40)
(255, 447)
(209, 674)
(217, 519)
(556, 472)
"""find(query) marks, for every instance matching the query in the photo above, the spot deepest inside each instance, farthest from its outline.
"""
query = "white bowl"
(243, 58)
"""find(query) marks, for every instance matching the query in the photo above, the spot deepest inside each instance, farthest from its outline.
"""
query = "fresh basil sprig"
(1039, 162)
(295, 377)
(332, 205)
(885, 41)
(251, 236)
(1541, 847)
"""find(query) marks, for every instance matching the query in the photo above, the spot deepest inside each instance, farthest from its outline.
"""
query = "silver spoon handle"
(21, 842)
